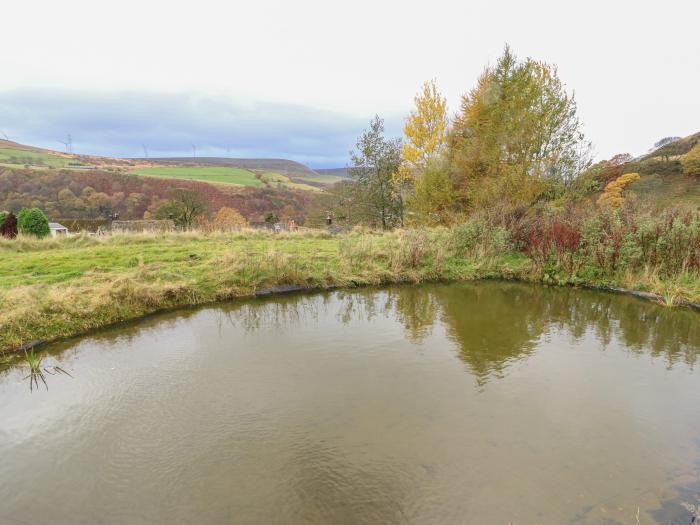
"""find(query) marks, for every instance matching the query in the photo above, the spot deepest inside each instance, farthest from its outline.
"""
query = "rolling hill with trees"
(79, 187)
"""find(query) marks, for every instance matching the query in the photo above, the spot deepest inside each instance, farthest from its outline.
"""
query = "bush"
(8, 225)
(479, 237)
(32, 221)
(691, 161)
(612, 196)
(229, 219)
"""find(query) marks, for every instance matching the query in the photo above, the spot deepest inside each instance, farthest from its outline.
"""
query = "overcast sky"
(300, 79)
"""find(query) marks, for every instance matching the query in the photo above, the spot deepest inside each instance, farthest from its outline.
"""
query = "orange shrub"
(228, 219)
(612, 195)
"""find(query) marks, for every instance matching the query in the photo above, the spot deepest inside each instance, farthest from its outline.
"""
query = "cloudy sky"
(300, 79)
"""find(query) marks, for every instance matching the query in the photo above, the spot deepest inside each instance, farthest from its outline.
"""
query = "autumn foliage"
(691, 161)
(228, 219)
(66, 194)
(612, 196)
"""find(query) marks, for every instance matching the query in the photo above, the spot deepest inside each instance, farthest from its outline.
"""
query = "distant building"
(139, 226)
(80, 167)
(57, 229)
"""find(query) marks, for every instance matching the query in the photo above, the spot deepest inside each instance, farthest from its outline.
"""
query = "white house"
(57, 229)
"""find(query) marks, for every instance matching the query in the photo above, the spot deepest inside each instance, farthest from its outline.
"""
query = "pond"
(489, 402)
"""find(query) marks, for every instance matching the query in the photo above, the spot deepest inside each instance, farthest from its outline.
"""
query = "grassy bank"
(59, 287)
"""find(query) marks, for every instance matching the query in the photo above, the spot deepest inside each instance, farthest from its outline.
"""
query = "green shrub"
(32, 221)
(3, 216)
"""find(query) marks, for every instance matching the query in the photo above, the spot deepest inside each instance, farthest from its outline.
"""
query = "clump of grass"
(37, 372)
(669, 299)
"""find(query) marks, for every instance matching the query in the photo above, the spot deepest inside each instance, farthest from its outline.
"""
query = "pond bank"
(57, 288)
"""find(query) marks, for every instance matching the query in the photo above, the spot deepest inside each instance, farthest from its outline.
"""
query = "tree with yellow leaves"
(425, 139)
(425, 130)
(612, 195)
(229, 219)
(691, 161)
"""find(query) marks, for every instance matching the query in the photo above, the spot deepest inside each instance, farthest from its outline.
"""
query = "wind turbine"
(9, 139)
(194, 151)
(145, 150)
(68, 144)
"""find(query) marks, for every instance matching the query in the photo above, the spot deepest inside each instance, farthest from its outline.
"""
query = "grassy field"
(216, 174)
(275, 178)
(326, 180)
(20, 157)
(224, 175)
(64, 286)
(668, 190)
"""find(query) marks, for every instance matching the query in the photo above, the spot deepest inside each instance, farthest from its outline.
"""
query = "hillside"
(70, 186)
(674, 150)
(662, 182)
(97, 193)
(256, 173)
(283, 166)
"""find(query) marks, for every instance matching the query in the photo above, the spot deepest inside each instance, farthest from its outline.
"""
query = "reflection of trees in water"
(414, 307)
(498, 322)
(493, 323)
(284, 311)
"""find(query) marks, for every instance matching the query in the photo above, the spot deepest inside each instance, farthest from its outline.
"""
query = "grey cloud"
(117, 124)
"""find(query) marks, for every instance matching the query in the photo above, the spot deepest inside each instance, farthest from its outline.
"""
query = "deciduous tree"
(691, 161)
(183, 207)
(425, 132)
(516, 133)
(376, 160)
(229, 219)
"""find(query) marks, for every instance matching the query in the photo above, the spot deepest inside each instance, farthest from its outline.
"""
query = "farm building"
(57, 229)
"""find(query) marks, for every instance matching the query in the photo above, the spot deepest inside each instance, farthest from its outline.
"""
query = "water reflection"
(493, 323)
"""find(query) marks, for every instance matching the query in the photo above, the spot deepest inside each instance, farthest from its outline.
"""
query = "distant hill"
(257, 173)
(72, 186)
(674, 149)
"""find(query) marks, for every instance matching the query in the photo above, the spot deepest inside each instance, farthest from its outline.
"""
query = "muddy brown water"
(485, 403)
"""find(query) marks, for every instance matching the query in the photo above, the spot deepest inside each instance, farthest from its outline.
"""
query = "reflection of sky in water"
(500, 401)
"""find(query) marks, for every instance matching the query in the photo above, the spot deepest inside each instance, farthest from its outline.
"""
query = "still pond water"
(485, 403)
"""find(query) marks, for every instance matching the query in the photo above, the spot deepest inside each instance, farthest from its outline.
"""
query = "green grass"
(275, 178)
(224, 175)
(667, 190)
(20, 157)
(326, 180)
(59, 287)
(215, 174)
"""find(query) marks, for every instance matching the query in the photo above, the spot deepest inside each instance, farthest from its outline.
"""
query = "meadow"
(214, 174)
(224, 175)
(20, 157)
